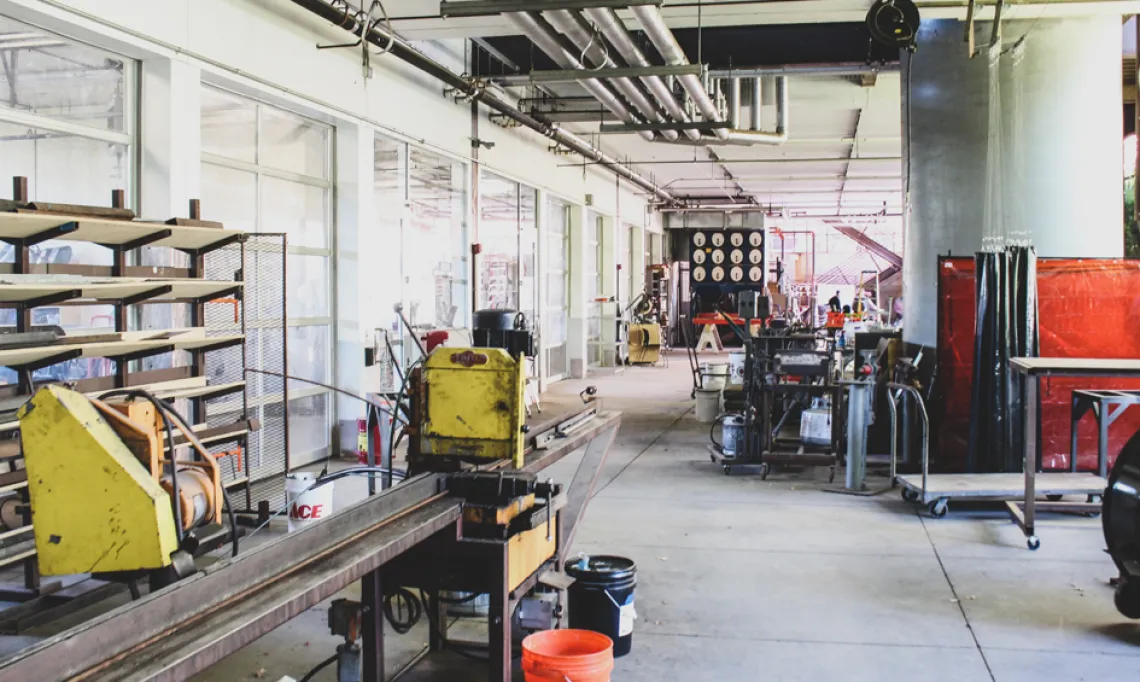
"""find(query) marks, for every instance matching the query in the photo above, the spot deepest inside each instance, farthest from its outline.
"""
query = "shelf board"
(28, 289)
(26, 225)
(154, 342)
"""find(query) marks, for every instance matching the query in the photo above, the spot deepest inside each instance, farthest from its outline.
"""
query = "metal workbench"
(178, 631)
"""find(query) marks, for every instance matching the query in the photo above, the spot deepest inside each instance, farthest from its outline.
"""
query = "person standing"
(834, 304)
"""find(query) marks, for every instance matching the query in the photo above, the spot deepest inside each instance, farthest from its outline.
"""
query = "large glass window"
(66, 125)
(499, 239)
(268, 170)
(421, 201)
(556, 316)
(595, 253)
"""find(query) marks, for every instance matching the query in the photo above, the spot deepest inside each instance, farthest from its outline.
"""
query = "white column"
(355, 211)
(170, 134)
(577, 328)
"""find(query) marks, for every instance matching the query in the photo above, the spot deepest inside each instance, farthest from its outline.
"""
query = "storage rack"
(26, 286)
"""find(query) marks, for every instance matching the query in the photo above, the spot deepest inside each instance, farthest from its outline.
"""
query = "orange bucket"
(567, 656)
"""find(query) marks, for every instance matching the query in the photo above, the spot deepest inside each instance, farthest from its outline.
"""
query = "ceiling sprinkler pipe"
(757, 103)
(401, 50)
(753, 137)
(540, 32)
(666, 43)
(579, 33)
(615, 31)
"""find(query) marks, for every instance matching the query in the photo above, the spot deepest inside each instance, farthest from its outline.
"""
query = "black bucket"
(601, 598)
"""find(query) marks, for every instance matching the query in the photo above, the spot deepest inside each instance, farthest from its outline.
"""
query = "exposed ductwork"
(615, 31)
(736, 136)
(575, 28)
(543, 35)
(475, 92)
(666, 43)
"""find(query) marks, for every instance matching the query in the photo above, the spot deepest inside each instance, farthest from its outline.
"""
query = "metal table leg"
(372, 601)
(499, 615)
(1032, 385)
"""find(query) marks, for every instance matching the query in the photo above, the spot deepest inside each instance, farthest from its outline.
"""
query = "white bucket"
(736, 368)
(714, 375)
(708, 405)
(307, 506)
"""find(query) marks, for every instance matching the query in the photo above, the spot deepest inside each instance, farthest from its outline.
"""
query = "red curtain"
(1087, 308)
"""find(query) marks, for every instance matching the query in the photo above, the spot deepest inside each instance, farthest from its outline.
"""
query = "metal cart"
(936, 490)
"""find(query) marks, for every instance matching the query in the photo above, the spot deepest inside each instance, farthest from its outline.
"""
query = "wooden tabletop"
(1076, 367)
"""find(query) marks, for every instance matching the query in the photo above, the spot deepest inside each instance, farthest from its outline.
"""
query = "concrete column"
(170, 129)
(577, 329)
(355, 226)
(1063, 181)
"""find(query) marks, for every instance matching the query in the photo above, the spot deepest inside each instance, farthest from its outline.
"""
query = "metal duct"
(757, 102)
(734, 102)
(752, 137)
(541, 33)
(615, 31)
(650, 18)
(401, 50)
(581, 35)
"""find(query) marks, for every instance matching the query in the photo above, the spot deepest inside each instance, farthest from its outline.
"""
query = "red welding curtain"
(1086, 308)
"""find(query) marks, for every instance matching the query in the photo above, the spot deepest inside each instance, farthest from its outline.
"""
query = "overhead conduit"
(401, 50)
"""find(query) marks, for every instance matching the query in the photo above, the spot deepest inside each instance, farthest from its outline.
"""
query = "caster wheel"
(712, 458)
(727, 470)
(1033, 542)
(1095, 499)
(764, 470)
(831, 476)
(1054, 498)
(1127, 598)
(938, 508)
(910, 495)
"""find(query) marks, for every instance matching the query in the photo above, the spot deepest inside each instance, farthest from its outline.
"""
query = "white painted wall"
(267, 49)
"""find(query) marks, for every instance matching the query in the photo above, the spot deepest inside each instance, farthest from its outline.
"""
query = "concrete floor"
(743, 579)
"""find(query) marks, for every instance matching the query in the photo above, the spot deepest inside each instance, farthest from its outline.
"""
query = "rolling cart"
(937, 490)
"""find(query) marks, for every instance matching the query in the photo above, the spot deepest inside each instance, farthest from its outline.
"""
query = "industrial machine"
(105, 494)
(467, 403)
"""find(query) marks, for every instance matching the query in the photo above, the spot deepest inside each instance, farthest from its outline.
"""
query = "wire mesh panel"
(260, 315)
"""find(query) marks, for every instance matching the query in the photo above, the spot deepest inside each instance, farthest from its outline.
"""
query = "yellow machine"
(101, 501)
(644, 343)
(471, 404)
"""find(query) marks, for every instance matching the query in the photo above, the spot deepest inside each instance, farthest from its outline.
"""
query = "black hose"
(712, 431)
(233, 519)
(414, 607)
(319, 667)
(408, 416)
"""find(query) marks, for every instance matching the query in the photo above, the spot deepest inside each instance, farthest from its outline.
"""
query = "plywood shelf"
(131, 344)
(29, 225)
(35, 290)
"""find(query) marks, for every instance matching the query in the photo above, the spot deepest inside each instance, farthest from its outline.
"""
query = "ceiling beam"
(483, 8)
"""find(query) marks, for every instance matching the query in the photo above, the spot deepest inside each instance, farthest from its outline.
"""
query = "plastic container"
(708, 405)
(731, 434)
(736, 367)
(601, 598)
(714, 375)
(561, 655)
(307, 506)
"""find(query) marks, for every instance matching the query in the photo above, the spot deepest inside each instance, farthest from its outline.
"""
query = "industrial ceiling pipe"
(757, 102)
(578, 32)
(752, 137)
(666, 43)
(734, 102)
(615, 31)
(543, 35)
(401, 50)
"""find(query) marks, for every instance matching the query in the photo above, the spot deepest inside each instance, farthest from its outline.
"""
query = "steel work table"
(1034, 369)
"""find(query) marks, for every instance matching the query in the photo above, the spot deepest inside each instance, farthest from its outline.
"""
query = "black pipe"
(398, 48)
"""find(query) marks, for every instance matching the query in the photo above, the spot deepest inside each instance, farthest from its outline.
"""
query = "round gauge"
(755, 274)
(737, 256)
(699, 274)
(718, 274)
(718, 257)
(755, 239)
(698, 256)
(736, 239)
(755, 257)
(699, 239)
(718, 239)
(736, 274)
